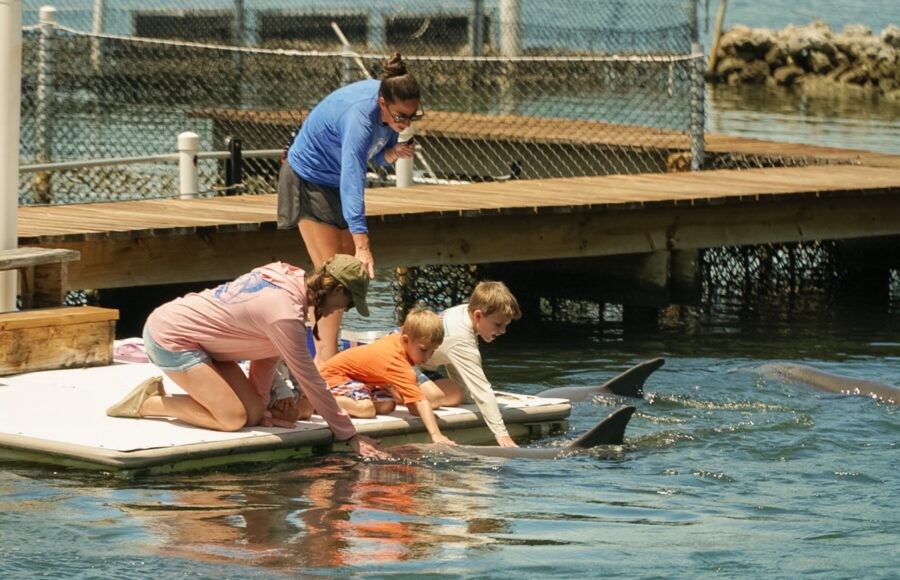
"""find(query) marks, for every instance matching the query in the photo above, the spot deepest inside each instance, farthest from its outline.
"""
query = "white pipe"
(189, 176)
(10, 103)
(404, 167)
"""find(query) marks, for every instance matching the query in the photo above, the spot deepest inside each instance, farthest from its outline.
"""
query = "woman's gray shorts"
(301, 199)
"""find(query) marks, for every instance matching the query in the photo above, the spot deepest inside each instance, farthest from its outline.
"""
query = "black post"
(233, 165)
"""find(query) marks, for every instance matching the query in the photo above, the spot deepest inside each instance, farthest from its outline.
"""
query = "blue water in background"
(724, 473)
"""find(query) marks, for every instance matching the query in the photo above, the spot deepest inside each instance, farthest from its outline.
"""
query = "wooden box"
(55, 338)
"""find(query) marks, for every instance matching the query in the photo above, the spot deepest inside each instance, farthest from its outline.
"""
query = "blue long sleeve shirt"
(335, 143)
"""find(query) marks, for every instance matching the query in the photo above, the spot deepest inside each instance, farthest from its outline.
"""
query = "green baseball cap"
(353, 276)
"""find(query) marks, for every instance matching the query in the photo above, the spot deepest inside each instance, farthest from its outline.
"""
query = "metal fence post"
(346, 64)
(510, 27)
(10, 106)
(97, 28)
(476, 28)
(238, 39)
(698, 110)
(44, 100)
(189, 177)
(510, 46)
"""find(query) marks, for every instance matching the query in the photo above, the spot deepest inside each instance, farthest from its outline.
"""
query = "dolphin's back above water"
(609, 431)
(833, 383)
(627, 384)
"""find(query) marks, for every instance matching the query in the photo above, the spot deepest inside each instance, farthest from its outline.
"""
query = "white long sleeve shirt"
(460, 355)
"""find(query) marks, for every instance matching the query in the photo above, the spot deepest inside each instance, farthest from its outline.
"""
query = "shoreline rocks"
(797, 54)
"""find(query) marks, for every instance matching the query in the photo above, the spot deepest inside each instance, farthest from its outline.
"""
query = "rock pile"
(853, 56)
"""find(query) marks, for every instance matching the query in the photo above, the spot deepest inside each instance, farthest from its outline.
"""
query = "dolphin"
(609, 431)
(832, 383)
(627, 384)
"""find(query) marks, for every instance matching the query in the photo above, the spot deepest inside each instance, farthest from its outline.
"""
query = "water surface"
(723, 472)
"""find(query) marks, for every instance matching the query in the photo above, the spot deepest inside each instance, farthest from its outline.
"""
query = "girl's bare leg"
(211, 402)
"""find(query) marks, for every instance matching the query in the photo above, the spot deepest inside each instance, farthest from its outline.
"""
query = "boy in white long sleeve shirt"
(489, 311)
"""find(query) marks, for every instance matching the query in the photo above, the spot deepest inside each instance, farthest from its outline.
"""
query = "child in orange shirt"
(368, 380)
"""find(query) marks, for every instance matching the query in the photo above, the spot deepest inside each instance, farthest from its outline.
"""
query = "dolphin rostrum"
(627, 384)
(833, 383)
(609, 431)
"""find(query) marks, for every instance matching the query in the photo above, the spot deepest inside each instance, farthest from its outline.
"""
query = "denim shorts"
(174, 361)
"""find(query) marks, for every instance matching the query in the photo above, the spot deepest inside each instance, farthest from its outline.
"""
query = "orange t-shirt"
(382, 363)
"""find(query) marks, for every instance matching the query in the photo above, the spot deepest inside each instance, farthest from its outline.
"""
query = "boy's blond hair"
(494, 297)
(423, 324)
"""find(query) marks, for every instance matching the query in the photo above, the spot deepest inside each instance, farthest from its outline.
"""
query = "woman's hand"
(506, 441)
(367, 447)
(363, 253)
(404, 150)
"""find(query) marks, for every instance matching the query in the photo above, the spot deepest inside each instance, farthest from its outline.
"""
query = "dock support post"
(44, 98)
(10, 105)
(189, 178)
(698, 115)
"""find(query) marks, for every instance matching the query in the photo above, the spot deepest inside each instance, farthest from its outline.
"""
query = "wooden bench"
(37, 339)
(44, 273)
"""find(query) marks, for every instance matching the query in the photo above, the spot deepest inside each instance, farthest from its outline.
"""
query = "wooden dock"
(450, 139)
(140, 243)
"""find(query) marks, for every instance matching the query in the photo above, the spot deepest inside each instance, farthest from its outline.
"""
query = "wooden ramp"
(58, 418)
(164, 241)
(556, 131)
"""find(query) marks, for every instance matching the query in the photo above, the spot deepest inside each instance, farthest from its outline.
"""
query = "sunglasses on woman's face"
(420, 112)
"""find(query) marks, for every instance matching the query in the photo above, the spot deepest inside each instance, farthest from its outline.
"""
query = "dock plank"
(158, 216)
(163, 241)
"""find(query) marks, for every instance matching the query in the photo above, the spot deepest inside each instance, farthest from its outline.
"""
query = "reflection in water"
(822, 114)
(333, 514)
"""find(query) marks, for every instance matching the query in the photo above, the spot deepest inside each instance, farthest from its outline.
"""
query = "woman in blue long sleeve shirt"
(321, 185)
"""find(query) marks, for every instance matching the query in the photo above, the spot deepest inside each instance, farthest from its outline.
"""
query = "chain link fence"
(511, 89)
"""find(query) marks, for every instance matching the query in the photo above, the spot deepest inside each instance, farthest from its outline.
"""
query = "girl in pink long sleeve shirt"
(198, 339)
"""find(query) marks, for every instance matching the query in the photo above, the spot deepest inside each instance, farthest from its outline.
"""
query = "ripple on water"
(713, 477)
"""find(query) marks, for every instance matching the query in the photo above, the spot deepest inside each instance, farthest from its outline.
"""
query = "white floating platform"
(59, 418)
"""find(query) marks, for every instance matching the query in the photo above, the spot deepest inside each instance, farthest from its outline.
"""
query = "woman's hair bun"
(394, 66)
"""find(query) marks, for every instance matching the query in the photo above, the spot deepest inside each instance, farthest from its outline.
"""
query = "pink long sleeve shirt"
(259, 317)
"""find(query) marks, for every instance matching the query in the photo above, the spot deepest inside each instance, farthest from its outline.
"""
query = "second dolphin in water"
(832, 383)
(627, 384)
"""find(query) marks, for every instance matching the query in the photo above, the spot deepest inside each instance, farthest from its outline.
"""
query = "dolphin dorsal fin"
(609, 431)
(631, 382)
